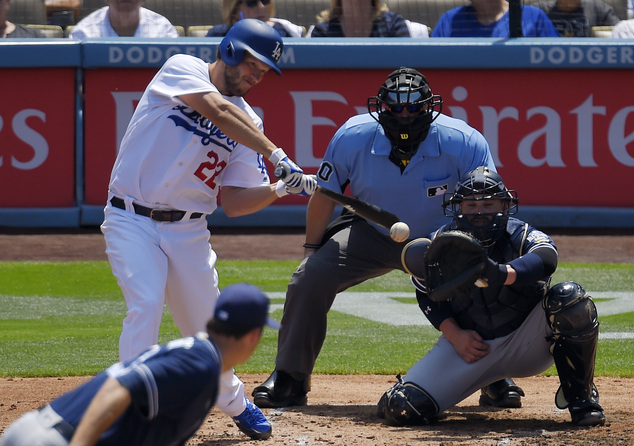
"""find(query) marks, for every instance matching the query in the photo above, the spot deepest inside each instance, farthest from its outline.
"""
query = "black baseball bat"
(362, 208)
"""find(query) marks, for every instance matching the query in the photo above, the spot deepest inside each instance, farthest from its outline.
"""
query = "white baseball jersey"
(172, 157)
(97, 24)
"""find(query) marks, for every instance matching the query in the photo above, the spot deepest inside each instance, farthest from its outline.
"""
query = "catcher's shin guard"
(406, 404)
(573, 317)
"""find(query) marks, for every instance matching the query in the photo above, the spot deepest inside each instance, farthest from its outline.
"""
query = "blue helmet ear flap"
(258, 38)
(231, 51)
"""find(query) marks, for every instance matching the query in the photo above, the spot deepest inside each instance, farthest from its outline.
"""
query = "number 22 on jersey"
(210, 169)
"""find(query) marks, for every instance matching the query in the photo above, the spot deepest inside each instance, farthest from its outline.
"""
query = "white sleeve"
(246, 169)
(182, 74)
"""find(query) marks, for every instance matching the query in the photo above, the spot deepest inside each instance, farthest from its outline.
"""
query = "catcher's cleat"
(502, 393)
(253, 422)
(281, 390)
(587, 414)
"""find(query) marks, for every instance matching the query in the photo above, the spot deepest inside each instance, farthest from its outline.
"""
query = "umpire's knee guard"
(406, 404)
(573, 318)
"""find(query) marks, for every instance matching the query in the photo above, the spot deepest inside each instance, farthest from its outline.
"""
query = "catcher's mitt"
(412, 257)
(454, 262)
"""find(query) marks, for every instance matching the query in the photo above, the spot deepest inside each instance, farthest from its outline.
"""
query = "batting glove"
(285, 169)
(306, 187)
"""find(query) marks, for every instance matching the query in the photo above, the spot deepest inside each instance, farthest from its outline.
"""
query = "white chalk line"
(385, 308)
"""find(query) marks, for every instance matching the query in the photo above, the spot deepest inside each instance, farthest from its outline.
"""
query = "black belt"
(65, 429)
(155, 214)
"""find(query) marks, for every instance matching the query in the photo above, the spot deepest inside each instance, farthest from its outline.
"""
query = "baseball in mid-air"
(399, 231)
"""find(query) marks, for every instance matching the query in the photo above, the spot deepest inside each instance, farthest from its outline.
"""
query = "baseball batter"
(516, 326)
(402, 157)
(191, 136)
(162, 396)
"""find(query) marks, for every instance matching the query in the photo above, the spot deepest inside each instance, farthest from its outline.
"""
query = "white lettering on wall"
(137, 55)
(29, 136)
(288, 56)
(564, 55)
(552, 132)
(305, 121)
(585, 131)
(459, 94)
(491, 128)
(124, 109)
(617, 140)
(549, 135)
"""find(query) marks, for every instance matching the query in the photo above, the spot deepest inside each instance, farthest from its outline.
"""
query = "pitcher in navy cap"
(160, 397)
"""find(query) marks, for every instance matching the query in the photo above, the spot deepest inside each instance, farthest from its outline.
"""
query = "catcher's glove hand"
(453, 263)
(412, 257)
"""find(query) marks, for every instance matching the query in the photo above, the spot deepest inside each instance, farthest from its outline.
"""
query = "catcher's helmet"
(481, 184)
(252, 35)
(405, 89)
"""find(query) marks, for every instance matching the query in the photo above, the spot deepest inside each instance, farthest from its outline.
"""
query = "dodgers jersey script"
(177, 161)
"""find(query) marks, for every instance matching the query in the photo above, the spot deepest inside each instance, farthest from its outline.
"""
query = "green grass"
(64, 318)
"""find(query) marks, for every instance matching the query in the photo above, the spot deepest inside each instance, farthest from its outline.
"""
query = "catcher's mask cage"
(481, 184)
(252, 35)
(405, 89)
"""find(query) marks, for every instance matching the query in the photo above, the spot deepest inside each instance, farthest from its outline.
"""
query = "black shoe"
(281, 390)
(502, 393)
(587, 414)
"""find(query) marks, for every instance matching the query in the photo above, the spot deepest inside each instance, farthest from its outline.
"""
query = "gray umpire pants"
(351, 256)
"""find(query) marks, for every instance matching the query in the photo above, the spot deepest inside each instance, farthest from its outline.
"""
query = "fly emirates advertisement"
(559, 137)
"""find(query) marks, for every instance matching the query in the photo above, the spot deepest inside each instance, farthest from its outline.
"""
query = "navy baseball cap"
(243, 305)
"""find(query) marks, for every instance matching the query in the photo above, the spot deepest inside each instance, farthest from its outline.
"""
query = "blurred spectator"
(490, 18)
(234, 10)
(359, 18)
(575, 18)
(624, 30)
(123, 18)
(9, 29)
(62, 12)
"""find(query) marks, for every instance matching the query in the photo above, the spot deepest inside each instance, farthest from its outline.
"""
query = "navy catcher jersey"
(494, 313)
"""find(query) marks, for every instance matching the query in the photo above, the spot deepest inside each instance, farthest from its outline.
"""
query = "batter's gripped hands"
(305, 187)
(285, 169)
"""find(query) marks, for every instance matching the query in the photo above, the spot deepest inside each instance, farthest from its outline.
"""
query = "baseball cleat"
(281, 390)
(502, 393)
(253, 422)
(587, 416)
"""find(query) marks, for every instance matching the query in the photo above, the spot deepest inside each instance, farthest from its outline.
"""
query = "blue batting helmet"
(259, 39)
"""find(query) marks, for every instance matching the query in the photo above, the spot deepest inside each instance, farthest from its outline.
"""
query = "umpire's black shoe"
(281, 390)
(502, 393)
(587, 414)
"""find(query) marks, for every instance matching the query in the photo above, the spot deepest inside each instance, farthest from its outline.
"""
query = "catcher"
(484, 282)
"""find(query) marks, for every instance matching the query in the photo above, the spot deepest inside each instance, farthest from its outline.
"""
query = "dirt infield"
(342, 409)
(283, 243)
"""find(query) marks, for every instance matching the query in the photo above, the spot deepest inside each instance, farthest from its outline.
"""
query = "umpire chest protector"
(497, 311)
